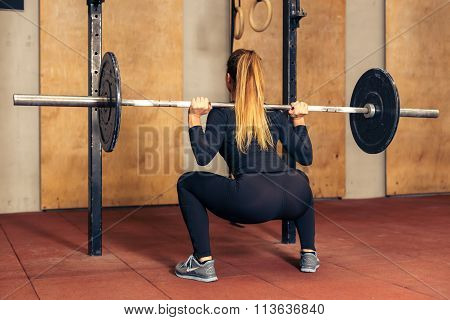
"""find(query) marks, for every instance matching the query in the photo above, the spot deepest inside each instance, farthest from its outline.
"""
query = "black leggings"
(248, 199)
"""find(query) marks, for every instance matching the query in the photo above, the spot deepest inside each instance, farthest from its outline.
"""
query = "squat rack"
(94, 145)
(292, 14)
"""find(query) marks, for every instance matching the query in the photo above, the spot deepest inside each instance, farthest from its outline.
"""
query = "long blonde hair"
(245, 69)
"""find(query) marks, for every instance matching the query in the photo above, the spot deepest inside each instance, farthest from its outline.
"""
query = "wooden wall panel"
(144, 167)
(417, 56)
(321, 80)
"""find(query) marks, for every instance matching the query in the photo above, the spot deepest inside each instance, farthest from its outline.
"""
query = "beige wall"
(19, 129)
(365, 37)
(206, 50)
(418, 160)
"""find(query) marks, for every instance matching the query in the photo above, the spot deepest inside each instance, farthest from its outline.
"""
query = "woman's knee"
(187, 178)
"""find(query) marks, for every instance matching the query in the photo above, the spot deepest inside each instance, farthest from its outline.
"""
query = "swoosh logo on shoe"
(192, 269)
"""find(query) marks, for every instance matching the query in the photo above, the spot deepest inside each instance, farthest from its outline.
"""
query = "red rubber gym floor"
(391, 248)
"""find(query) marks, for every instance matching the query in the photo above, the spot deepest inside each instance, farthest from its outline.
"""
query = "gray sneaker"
(309, 262)
(194, 270)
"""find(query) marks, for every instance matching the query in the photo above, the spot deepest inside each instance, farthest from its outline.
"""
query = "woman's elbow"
(203, 160)
(308, 162)
(306, 158)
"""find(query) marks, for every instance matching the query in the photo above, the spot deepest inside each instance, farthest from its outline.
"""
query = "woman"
(264, 188)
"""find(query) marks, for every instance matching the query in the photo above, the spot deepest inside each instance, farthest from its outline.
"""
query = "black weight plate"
(109, 86)
(373, 135)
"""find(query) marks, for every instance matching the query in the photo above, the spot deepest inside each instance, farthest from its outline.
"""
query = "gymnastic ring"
(269, 16)
(238, 32)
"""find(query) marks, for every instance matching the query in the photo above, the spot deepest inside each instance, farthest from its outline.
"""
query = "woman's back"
(220, 136)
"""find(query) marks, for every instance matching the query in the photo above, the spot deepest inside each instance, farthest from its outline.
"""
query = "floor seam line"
(20, 262)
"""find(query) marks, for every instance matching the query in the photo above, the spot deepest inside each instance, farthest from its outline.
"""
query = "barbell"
(374, 108)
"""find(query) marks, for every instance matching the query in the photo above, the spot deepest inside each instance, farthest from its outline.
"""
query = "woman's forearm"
(299, 122)
(194, 120)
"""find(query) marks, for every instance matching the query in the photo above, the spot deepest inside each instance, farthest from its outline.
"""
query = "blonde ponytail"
(251, 118)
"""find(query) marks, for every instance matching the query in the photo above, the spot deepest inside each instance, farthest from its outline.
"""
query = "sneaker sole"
(309, 270)
(196, 278)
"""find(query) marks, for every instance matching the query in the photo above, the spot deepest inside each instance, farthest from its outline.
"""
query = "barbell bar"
(374, 109)
(101, 102)
(31, 100)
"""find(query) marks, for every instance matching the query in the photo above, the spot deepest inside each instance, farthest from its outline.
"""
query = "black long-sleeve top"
(219, 136)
